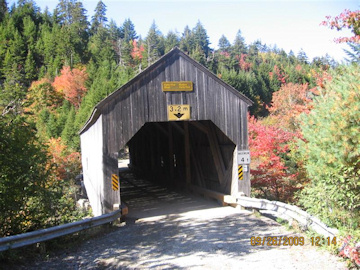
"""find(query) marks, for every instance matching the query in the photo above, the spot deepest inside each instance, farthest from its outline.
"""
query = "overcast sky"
(291, 25)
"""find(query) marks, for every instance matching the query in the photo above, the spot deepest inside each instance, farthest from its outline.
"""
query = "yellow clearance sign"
(177, 86)
(178, 112)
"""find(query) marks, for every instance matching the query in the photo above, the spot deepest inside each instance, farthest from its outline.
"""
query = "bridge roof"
(160, 63)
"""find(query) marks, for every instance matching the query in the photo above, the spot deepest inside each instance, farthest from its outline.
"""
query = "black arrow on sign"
(179, 115)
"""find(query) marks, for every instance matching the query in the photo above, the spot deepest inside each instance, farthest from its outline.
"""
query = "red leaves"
(243, 64)
(71, 84)
(350, 250)
(267, 145)
(347, 19)
(136, 52)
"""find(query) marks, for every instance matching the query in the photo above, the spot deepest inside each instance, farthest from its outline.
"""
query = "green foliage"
(331, 151)
(29, 197)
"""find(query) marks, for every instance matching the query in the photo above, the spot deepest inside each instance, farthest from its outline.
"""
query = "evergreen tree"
(172, 40)
(201, 39)
(73, 35)
(224, 44)
(331, 152)
(127, 35)
(302, 57)
(3, 10)
(154, 46)
(70, 132)
(187, 40)
(99, 19)
(239, 45)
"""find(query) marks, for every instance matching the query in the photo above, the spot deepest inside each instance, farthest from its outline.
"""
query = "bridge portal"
(183, 125)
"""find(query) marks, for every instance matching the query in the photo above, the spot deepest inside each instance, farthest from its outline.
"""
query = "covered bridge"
(183, 125)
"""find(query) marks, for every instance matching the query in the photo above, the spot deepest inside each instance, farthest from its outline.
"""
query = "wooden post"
(171, 153)
(187, 154)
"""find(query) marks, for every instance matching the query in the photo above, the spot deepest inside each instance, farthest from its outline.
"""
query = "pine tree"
(302, 57)
(3, 10)
(187, 41)
(224, 44)
(127, 35)
(172, 40)
(154, 46)
(69, 131)
(99, 19)
(239, 45)
(201, 39)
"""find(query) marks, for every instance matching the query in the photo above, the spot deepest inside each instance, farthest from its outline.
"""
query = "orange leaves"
(136, 52)
(42, 95)
(289, 102)
(71, 84)
(65, 161)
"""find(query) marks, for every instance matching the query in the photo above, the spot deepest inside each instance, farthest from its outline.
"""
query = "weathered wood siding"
(92, 162)
(126, 111)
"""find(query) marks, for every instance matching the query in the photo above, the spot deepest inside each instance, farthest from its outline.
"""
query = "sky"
(288, 24)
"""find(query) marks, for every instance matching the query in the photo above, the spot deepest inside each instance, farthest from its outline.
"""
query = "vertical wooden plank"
(187, 154)
(171, 153)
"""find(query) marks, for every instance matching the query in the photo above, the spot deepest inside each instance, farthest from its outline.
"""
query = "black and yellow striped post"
(115, 182)
(240, 172)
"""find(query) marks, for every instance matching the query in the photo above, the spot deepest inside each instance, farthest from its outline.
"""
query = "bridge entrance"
(186, 154)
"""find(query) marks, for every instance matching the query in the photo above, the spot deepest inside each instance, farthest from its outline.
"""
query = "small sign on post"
(178, 112)
(115, 182)
(244, 157)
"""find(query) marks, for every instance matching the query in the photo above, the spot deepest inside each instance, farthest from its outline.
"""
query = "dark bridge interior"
(183, 154)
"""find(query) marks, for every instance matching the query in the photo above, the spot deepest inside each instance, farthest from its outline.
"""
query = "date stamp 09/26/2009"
(290, 241)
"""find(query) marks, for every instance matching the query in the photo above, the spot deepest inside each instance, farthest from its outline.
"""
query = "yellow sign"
(240, 172)
(115, 182)
(177, 86)
(178, 112)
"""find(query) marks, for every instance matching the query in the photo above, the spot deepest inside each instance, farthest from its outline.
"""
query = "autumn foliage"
(348, 20)
(71, 84)
(68, 163)
(270, 176)
(137, 50)
(289, 102)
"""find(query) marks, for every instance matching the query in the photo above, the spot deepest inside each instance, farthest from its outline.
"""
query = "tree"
(154, 45)
(271, 178)
(288, 103)
(331, 152)
(171, 41)
(224, 44)
(201, 39)
(71, 84)
(187, 40)
(3, 9)
(72, 35)
(347, 19)
(239, 45)
(127, 35)
(99, 19)
(302, 57)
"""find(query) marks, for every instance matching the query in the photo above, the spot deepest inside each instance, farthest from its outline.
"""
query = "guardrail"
(42, 235)
(290, 211)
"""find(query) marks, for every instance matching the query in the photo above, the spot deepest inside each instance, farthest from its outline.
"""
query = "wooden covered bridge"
(183, 125)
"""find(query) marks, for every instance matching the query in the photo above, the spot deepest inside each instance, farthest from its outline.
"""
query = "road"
(171, 230)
